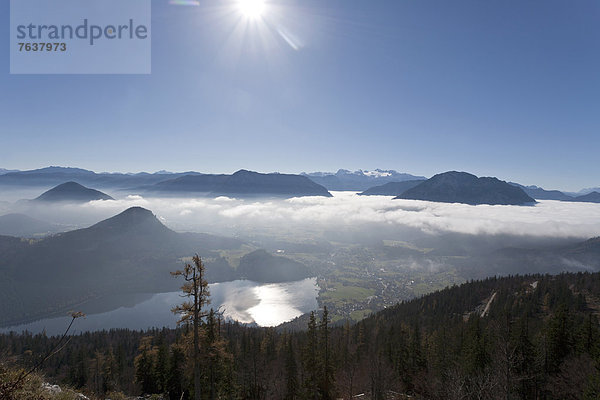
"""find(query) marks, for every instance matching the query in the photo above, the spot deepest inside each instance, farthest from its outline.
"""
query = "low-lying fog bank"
(345, 210)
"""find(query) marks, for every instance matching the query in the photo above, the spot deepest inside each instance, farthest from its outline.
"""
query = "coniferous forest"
(517, 337)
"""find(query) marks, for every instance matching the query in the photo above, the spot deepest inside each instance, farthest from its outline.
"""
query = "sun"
(251, 9)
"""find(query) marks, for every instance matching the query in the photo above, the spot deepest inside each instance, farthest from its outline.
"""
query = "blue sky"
(497, 88)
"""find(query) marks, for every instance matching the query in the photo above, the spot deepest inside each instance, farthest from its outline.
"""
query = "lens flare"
(251, 9)
(184, 2)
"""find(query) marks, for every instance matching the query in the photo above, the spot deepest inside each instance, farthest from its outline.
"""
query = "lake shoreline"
(242, 300)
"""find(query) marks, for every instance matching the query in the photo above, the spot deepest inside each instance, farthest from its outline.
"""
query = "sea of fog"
(241, 300)
(345, 210)
(298, 219)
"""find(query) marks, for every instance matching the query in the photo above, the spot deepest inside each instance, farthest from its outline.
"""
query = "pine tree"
(349, 360)
(162, 367)
(110, 372)
(291, 372)
(217, 358)
(145, 366)
(175, 379)
(325, 359)
(195, 288)
(558, 338)
(143, 372)
(525, 357)
(310, 362)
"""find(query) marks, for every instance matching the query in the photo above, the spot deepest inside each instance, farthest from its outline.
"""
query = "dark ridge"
(462, 187)
(243, 183)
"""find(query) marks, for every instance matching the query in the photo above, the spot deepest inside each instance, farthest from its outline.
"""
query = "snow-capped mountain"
(359, 180)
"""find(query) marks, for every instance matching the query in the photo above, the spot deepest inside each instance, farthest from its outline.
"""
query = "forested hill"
(520, 337)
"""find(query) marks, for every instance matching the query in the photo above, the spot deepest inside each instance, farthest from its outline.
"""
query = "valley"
(362, 267)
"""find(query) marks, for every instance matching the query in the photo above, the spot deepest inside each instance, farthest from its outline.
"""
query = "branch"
(58, 347)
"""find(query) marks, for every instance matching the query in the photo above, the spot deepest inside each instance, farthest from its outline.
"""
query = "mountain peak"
(73, 192)
(134, 215)
(70, 185)
(244, 172)
(359, 180)
(136, 212)
(133, 219)
(455, 174)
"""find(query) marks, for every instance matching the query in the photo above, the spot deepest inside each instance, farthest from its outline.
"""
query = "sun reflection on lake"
(241, 300)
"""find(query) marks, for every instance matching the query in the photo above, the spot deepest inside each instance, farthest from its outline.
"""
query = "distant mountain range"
(132, 252)
(72, 192)
(454, 189)
(247, 183)
(593, 197)
(541, 194)
(52, 176)
(358, 180)
(461, 187)
(585, 191)
(391, 188)
(242, 183)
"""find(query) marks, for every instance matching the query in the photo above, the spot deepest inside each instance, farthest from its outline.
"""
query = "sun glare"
(251, 9)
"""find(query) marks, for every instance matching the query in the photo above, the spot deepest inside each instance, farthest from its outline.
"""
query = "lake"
(266, 304)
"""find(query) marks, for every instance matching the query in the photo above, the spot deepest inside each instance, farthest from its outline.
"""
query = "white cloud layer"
(547, 218)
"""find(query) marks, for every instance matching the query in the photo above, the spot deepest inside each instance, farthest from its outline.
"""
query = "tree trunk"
(197, 394)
